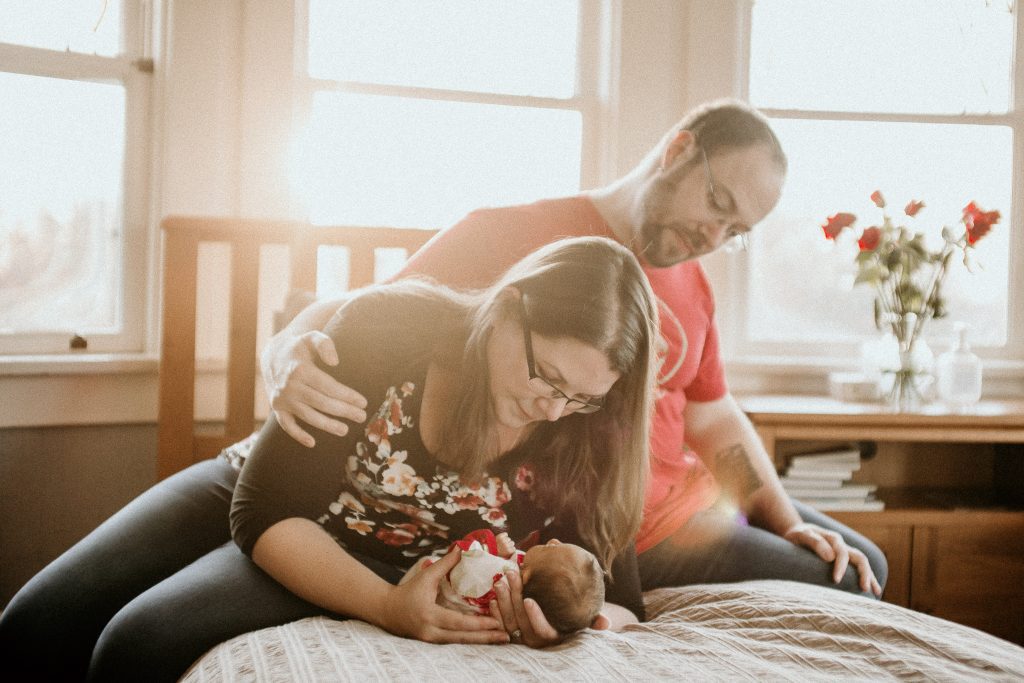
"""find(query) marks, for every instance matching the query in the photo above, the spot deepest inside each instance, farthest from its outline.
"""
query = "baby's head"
(567, 583)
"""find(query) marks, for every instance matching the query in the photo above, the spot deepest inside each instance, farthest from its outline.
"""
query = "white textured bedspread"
(761, 630)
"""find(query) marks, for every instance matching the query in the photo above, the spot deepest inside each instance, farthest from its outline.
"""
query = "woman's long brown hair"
(591, 466)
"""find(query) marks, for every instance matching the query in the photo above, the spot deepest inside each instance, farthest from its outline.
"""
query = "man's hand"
(830, 546)
(299, 390)
(411, 610)
(523, 620)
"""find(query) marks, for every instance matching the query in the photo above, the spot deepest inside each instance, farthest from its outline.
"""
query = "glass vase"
(907, 376)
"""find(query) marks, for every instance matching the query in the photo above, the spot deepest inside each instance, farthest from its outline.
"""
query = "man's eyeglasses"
(541, 385)
(737, 239)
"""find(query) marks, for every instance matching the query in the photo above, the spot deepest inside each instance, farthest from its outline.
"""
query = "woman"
(506, 408)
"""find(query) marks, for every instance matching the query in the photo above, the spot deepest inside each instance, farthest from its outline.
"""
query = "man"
(710, 179)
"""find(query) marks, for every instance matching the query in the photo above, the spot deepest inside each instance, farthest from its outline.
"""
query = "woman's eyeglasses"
(543, 386)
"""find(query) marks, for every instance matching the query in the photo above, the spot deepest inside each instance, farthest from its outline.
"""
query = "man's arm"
(720, 433)
(727, 442)
(472, 253)
(297, 388)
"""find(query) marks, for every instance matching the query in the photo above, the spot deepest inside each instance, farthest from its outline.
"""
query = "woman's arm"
(300, 555)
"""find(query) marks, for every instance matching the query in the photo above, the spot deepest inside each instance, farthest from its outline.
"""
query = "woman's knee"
(53, 621)
(35, 642)
(139, 644)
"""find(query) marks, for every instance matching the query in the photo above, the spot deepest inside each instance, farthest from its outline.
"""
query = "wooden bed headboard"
(178, 443)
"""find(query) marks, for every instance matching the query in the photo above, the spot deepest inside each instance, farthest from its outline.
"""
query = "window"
(417, 111)
(897, 96)
(72, 225)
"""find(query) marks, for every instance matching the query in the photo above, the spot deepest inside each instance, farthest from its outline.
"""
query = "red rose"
(878, 199)
(524, 478)
(869, 238)
(835, 224)
(377, 431)
(495, 516)
(978, 222)
(468, 501)
(401, 534)
(913, 207)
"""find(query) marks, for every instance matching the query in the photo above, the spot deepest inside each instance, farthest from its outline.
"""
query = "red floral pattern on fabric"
(387, 499)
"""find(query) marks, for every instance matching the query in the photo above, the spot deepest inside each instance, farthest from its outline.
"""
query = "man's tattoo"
(733, 465)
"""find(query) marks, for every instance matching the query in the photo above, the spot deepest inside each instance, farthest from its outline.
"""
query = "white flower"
(360, 526)
(399, 480)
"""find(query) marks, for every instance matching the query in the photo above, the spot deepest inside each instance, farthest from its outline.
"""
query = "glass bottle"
(959, 373)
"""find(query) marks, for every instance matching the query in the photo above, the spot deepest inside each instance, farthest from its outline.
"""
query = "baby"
(564, 579)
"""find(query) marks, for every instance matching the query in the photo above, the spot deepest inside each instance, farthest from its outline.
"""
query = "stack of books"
(822, 480)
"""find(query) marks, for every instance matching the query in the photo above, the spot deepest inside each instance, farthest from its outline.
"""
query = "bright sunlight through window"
(464, 104)
(912, 98)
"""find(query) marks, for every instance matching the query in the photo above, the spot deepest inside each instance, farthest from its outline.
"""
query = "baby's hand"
(505, 545)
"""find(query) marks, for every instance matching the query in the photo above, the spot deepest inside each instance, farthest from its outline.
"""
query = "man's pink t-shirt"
(478, 249)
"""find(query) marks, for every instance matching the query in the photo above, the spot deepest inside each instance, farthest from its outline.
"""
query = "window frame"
(595, 43)
(800, 361)
(132, 68)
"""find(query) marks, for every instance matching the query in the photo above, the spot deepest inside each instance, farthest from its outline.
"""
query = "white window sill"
(96, 388)
(78, 364)
(752, 374)
(93, 389)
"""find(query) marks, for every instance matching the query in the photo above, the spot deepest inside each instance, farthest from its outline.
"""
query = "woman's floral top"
(398, 495)
(377, 490)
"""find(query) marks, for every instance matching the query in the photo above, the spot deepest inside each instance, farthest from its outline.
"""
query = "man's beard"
(660, 243)
(659, 240)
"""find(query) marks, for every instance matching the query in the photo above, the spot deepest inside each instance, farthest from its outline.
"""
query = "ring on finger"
(516, 635)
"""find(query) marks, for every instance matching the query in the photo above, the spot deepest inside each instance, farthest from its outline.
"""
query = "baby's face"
(555, 556)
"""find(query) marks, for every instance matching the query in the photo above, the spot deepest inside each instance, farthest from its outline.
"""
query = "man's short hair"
(728, 124)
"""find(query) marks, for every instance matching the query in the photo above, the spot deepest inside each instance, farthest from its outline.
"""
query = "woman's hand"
(830, 546)
(522, 620)
(299, 390)
(411, 610)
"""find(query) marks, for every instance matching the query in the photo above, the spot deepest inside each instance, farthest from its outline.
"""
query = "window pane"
(882, 55)
(526, 47)
(406, 162)
(61, 159)
(88, 26)
(946, 166)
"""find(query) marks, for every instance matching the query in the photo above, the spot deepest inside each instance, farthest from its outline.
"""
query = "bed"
(772, 630)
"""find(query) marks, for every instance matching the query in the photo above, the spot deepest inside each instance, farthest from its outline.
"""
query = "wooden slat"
(361, 262)
(207, 229)
(177, 356)
(241, 389)
(209, 446)
(178, 445)
(303, 260)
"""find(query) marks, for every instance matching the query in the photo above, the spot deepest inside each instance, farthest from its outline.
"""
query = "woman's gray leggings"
(148, 592)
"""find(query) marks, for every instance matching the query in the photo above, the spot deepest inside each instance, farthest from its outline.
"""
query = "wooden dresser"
(953, 487)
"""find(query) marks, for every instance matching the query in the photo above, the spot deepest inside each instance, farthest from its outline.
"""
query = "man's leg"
(51, 625)
(712, 548)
